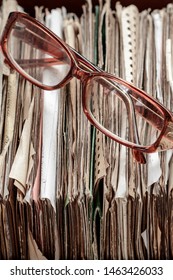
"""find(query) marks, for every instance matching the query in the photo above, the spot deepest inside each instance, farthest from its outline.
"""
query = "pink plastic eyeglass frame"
(84, 70)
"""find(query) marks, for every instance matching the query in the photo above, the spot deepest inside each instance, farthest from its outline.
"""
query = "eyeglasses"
(147, 126)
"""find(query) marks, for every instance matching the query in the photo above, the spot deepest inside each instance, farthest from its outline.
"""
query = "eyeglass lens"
(37, 53)
(123, 112)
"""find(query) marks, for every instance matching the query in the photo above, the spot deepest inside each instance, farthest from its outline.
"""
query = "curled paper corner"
(33, 250)
(23, 160)
(154, 169)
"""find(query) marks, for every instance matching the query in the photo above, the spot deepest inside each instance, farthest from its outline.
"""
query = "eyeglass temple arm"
(154, 119)
(42, 43)
(26, 63)
(139, 156)
(45, 44)
(40, 62)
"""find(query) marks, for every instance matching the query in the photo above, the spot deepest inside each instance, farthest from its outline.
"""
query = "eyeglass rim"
(168, 117)
(74, 56)
(72, 53)
(12, 18)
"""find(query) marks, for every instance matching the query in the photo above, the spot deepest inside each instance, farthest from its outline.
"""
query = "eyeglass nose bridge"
(80, 73)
